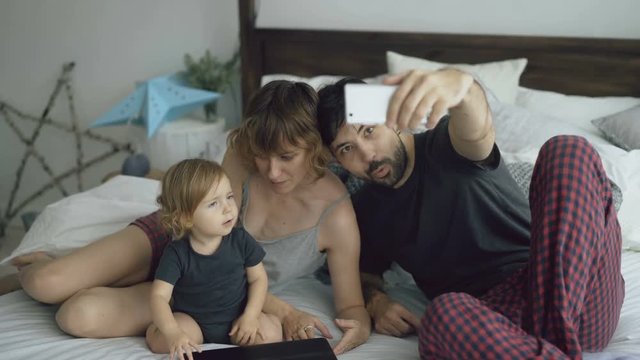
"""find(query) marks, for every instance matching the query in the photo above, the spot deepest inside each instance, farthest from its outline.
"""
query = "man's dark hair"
(330, 111)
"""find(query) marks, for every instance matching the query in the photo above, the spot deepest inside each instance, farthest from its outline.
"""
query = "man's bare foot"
(9, 283)
(30, 258)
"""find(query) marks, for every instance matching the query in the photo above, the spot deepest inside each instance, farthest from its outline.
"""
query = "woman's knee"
(44, 283)
(81, 314)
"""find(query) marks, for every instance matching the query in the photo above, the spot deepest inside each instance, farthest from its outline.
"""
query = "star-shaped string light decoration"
(156, 101)
(11, 114)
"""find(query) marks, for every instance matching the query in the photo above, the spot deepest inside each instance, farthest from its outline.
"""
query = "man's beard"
(398, 166)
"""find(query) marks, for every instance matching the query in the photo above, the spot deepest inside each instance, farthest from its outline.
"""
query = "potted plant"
(209, 73)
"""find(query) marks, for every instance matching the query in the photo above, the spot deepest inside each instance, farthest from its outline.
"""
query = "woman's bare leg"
(157, 342)
(103, 312)
(11, 282)
(120, 259)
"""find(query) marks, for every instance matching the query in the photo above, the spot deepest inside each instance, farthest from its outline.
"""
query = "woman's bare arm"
(237, 173)
(341, 237)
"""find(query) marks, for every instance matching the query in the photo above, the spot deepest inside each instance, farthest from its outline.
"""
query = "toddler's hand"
(180, 345)
(244, 330)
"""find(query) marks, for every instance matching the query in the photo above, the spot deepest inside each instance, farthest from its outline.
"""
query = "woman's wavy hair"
(184, 186)
(281, 113)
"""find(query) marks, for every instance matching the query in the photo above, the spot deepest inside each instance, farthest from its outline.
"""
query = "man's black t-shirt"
(456, 226)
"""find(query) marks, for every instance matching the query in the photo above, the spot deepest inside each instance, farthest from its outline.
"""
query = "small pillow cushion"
(502, 77)
(622, 129)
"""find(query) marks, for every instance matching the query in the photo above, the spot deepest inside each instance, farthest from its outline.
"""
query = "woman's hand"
(354, 335)
(244, 330)
(299, 325)
(180, 345)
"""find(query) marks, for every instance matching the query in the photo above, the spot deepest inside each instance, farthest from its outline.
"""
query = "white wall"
(114, 43)
(580, 18)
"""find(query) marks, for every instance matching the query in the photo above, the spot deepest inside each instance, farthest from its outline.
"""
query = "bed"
(563, 84)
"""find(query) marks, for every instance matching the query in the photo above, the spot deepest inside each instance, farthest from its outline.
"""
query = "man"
(507, 279)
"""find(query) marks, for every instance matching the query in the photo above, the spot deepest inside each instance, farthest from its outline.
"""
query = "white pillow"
(502, 77)
(573, 109)
(522, 132)
(519, 129)
(82, 218)
(317, 82)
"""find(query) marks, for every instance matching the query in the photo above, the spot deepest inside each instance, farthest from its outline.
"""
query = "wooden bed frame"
(580, 66)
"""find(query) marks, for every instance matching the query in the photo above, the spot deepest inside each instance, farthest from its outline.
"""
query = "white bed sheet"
(28, 330)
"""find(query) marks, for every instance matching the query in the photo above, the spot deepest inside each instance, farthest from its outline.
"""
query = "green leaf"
(210, 73)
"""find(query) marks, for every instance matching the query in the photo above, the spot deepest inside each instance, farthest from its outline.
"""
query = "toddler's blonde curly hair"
(184, 186)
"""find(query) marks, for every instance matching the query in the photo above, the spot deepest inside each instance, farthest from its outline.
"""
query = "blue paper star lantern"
(156, 101)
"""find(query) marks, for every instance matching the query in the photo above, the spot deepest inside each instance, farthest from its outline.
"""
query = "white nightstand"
(186, 138)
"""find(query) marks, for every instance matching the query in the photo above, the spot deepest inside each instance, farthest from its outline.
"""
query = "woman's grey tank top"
(294, 255)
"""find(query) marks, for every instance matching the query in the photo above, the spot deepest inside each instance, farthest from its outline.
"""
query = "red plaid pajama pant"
(568, 299)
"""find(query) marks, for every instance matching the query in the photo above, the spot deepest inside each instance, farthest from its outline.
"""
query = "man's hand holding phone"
(423, 93)
(408, 100)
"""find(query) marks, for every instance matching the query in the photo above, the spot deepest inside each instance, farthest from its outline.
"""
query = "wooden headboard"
(579, 66)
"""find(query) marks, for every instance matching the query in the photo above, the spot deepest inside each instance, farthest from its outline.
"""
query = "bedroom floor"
(9, 242)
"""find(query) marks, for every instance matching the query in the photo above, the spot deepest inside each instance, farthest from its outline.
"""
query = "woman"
(289, 203)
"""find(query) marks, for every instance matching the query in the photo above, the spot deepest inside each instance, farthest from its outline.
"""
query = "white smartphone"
(366, 103)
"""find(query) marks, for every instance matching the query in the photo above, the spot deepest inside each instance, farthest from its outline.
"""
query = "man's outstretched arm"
(437, 92)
